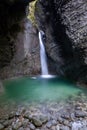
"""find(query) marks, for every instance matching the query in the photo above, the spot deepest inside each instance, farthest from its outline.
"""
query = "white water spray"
(44, 67)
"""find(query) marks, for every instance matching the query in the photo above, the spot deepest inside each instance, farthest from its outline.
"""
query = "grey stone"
(27, 114)
(12, 114)
(49, 124)
(27, 129)
(6, 117)
(18, 113)
(25, 122)
(1, 126)
(72, 116)
(21, 110)
(53, 128)
(54, 117)
(6, 123)
(54, 122)
(43, 118)
(84, 122)
(9, 128)
(80, 113)
(16, 125)
(21, 128)
(76, 125)
(78, 108)
(36, 121)
(1, 121)
(65, 116)
(10, 121)
(84, 128)
(57, 127)
(32, 127)
(66, 122)
(64, 128)
(60, 119)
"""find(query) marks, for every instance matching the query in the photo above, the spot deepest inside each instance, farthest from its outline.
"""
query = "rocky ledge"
(69, 115)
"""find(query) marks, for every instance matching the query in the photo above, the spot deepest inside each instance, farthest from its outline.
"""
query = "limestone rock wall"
(26, 59)
(19, 45)
(75, 19)
(64, 23)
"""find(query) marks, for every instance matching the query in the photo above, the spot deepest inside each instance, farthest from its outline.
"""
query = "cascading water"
(43, 59)
(44, 67)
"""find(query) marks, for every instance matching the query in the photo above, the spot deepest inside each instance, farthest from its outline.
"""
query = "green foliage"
(31, 15)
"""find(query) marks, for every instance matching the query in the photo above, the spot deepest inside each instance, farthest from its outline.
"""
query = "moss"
(31, 15)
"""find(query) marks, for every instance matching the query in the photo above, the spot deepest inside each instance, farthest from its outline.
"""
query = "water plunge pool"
(39, 89)
(25, 99)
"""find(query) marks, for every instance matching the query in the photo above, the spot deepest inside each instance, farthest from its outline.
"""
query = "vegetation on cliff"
(31, 16)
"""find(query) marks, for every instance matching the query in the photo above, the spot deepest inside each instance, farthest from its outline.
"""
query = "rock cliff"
(19, 48)
(64, 23)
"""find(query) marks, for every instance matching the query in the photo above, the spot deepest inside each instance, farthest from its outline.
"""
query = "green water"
(40, 90)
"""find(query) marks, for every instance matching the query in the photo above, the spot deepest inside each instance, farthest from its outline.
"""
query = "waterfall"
(44, 67)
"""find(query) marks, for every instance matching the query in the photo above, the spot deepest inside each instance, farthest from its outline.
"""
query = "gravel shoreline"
(63, 115)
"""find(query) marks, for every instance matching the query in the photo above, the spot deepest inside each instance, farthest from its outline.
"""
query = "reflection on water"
(39, 89)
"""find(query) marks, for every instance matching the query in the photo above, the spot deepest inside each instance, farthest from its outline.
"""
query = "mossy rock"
(31, 16)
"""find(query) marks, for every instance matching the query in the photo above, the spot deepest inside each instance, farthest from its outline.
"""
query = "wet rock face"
(74, 17)
(19, 48)
(11, 14)
(26, 59)
(64, 23)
